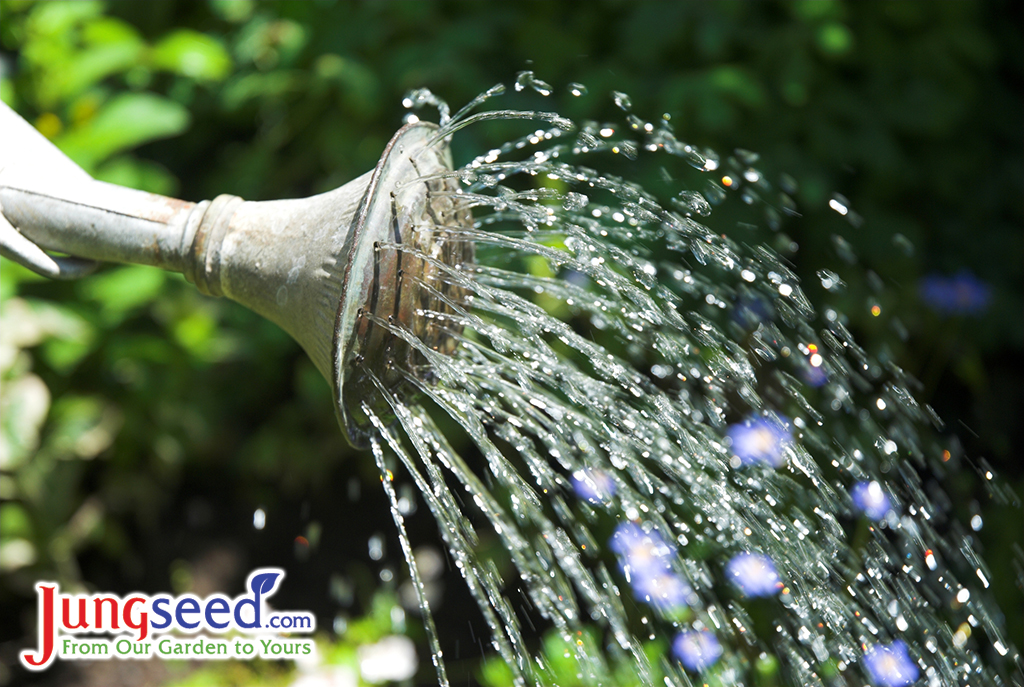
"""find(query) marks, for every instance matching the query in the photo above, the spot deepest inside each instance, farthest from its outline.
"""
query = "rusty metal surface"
(100, 221)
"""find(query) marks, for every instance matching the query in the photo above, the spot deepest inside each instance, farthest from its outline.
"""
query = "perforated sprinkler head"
(399, 306)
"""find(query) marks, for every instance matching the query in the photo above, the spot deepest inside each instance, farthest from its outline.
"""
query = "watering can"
(349, 274)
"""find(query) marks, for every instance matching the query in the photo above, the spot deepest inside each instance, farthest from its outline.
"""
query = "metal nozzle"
(356, 275)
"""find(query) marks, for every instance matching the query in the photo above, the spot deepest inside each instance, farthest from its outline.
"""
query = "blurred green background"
(144, 424)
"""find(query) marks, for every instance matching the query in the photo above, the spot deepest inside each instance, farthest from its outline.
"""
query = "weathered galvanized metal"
(324, 268)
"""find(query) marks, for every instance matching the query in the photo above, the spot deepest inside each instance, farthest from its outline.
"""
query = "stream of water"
(696, 477)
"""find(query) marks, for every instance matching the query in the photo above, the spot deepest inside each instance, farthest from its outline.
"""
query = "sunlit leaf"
(123, 289)
(127, 121)
(192, 54)
(126, 170)
(113, 47)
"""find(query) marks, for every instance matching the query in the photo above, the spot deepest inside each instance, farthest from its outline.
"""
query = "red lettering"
(98, 612)
(143, 624)
(65, 621)
(47, 631)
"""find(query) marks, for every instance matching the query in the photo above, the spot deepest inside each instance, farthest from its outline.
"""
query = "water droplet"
(711, 160)
(714, 193)
(903, 244)
(748, 157)
(831, 281)
(788, 205)
(692, 201)
(840, 204)
(788, 184)
(421, 97)
(628, 150)
(375, 547)
(587, 140)
(622, 101)
(563, 123)
(696, 159)
(577, 89)
(843, 249)
(528, 79)
(575, 201)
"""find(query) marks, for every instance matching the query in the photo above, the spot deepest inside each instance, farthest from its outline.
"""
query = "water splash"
(621, 365)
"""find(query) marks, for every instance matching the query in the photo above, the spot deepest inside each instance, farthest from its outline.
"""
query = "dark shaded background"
(175, 416)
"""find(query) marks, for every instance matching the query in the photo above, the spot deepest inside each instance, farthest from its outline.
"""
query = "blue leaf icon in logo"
(263, 583)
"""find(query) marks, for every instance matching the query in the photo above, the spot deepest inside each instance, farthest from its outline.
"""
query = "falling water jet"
(562, 403)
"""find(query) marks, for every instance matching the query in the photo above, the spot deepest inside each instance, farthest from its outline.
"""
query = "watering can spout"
(347, 273)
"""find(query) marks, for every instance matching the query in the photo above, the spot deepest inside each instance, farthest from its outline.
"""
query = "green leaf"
(495, 673)
(111, 47)
(12, 275)
(124, 289)
(738, 83)
(125, 170)
(81, 427)
(16, 521)
(125, 122)
(53, 18)
(192, 54)
(234, 11)
(276, 84)
(94, 65)
(72, 338)
(835, 39)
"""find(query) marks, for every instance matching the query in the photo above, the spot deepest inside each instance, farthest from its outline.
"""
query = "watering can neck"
(280, 258)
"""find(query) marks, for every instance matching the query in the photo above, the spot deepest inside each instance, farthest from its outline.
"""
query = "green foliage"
(128, 397)
(122, 123)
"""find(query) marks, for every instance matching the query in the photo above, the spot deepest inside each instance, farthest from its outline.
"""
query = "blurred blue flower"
(696, 650)
(811, 366)
(640, 551)
(750, 311)
(871, 500)
(963, 294)
(594, 485)
(754, 574)
(661, 589)
(890, 665)
(812, 376)
(760, 439)
(646, 560)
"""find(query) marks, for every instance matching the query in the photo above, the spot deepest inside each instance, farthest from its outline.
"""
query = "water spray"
(314, 266)
(643, 392)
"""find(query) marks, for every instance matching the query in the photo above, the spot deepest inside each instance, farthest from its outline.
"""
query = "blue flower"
(661, 589)
(754, 574)
(594, 485)
(890, 665)
(813, 376)
(963, 294)
(750, 311)
(871, 500)
(760, 439)
(646, 561)
(696, 650)
(641, 552)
